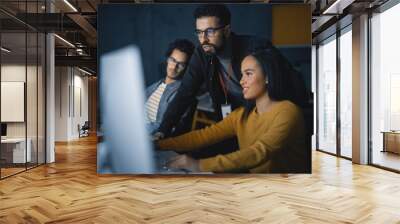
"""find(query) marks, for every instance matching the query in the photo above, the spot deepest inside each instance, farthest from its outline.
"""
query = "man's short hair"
(184, 45)
(218, 10)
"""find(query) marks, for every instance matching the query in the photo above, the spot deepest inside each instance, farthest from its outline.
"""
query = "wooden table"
(391, 141)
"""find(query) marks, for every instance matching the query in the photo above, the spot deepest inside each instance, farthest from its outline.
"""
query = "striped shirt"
(153, 103)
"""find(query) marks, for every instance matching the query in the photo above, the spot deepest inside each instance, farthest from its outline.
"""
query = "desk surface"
(13, 140)
(390, 132)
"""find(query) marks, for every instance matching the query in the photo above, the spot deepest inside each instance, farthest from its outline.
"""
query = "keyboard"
(162, 158)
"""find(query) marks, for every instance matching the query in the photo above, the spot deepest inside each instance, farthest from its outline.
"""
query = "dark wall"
(300, 58)
(153, 26)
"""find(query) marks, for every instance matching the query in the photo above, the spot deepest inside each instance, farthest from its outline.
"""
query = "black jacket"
(201, 70)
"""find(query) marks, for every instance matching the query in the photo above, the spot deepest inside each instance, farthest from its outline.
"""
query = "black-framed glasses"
(209, 32)
(179, 65)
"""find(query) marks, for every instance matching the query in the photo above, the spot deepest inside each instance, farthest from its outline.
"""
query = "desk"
(13, 150)
(391, 141)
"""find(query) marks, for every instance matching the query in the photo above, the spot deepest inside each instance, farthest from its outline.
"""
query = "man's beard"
(216, 50)
(209, 52)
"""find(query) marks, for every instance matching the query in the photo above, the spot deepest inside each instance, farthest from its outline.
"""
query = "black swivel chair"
(84, 130)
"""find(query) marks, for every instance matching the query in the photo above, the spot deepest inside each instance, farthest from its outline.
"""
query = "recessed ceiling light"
(337, 7)
(84, 71)
(70, 5)
(65, 41)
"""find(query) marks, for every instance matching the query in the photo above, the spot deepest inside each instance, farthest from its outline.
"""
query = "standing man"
(215, 63)
(162, 92)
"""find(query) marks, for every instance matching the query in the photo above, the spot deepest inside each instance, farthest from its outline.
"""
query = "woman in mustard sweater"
(270, 130)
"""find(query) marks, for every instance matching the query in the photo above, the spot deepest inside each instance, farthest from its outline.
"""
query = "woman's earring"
(266, 81)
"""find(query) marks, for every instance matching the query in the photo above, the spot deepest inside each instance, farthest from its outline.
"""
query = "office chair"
(84, 130)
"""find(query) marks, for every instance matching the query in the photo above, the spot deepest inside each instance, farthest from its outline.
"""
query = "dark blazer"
(166, 98)
(202, 70)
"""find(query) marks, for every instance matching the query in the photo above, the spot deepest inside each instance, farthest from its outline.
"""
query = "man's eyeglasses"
(179, 65)
(209, 32)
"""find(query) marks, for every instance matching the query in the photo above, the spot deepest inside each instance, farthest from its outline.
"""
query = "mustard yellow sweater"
(271, 142)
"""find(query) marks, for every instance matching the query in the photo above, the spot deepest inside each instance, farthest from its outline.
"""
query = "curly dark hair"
(218, 10)
(284, 82)
(184, 45)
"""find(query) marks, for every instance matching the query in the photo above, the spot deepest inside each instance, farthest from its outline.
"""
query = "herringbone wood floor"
(70, 191)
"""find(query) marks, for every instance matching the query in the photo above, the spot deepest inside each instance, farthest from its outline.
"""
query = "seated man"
(161, 93)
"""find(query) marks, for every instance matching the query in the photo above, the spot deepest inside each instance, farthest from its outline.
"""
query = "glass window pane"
(32, 95)
(327, 96)
(22, 77)
(314, 90)
(346, 94)
(385, 84)
(14, 153)
(41, 98)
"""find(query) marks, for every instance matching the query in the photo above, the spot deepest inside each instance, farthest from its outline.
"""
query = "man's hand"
(157, 136)
(184, 162)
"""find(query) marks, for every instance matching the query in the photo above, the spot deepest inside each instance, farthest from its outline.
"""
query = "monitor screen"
(126, 148)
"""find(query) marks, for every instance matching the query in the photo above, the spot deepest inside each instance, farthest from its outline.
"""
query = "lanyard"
(221, 81)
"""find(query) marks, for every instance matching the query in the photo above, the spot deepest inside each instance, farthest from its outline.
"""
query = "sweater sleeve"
(204, 137)
(260, 151)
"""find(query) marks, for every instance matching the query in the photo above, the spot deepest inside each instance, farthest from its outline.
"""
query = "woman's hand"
(184, 162)
(157, 136)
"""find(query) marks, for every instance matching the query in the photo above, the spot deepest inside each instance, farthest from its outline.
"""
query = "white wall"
(80, 110)
(71, 102)
(62, 81)
(16, 72)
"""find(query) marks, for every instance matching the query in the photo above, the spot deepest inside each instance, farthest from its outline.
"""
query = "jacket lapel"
(169, 91)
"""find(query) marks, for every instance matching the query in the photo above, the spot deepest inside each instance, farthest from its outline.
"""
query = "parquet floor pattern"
(70, 191)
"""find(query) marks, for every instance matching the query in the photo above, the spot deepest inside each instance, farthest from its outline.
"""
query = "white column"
(360, 90)
(50, 93)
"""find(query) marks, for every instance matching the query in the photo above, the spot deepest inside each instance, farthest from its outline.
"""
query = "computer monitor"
(126, 146)
(3, 129)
